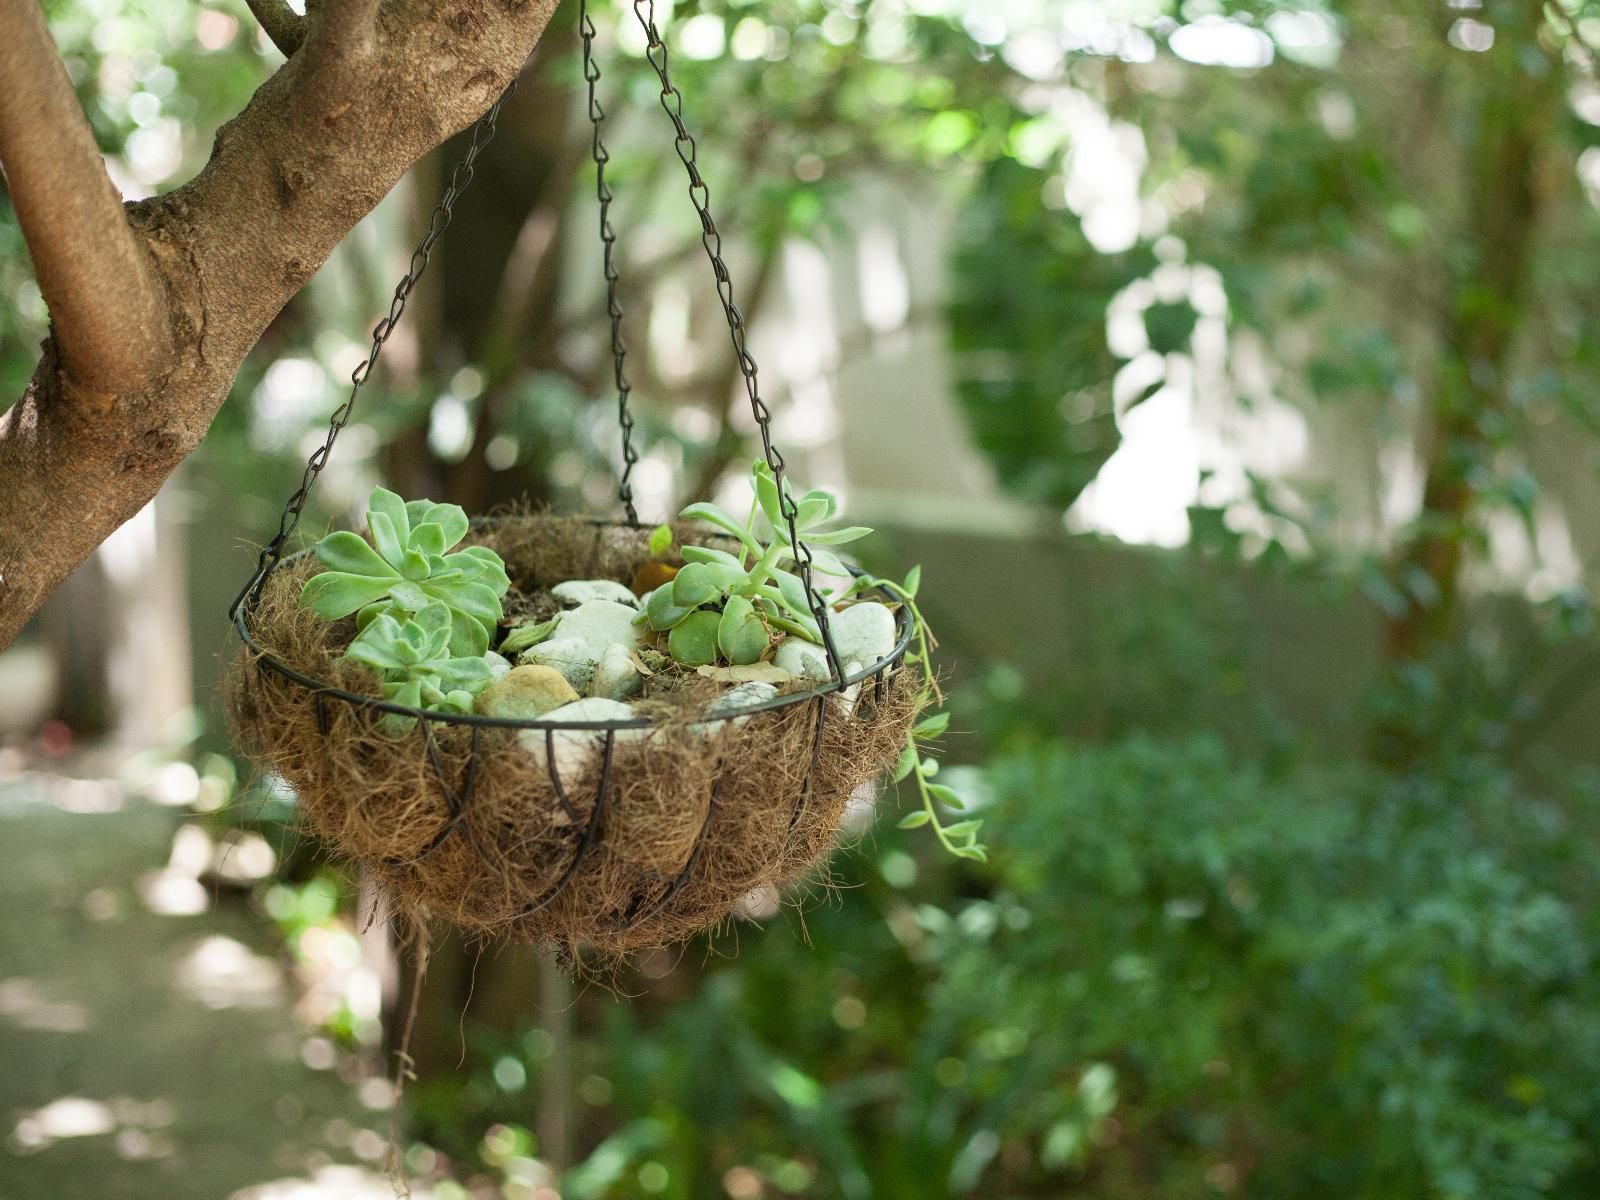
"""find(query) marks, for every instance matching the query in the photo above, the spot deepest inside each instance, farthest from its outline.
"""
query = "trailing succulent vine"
(717, 603)
(959, 837)
(427, 614)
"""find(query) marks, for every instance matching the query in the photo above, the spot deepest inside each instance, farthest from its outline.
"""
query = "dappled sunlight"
(139, 1126)
(25, 1003)
(176, 890)
(222, 973)
(68, 1117)
(330, 1183)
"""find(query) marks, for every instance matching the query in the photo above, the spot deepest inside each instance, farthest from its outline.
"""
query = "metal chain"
(608, 239)
(460, 177)
(711, 238)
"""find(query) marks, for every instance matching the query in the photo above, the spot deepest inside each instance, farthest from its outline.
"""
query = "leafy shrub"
(1190, 976)
(1325, 982)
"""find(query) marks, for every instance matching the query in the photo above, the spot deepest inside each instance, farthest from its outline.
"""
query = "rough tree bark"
(155, 304)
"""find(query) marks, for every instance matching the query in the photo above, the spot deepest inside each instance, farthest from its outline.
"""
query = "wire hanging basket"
(612, 835)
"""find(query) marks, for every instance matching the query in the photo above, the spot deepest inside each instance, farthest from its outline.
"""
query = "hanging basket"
(616, 835)
(611, 835)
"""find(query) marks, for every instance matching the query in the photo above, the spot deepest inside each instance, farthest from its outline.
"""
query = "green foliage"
(1184, 970)
(720, 604)
(406, 568)
(1381, 986)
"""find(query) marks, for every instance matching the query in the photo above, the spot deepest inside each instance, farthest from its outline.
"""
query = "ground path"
(148, 1050)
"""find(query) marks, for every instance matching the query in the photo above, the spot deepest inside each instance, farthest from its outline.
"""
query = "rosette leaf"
(408, 566)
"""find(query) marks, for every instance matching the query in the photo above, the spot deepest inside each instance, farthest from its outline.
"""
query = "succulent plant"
(960, 837)
(412, 657)
(407, 567)
(722, 605)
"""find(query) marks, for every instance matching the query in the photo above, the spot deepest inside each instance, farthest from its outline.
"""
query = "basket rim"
(903, 625)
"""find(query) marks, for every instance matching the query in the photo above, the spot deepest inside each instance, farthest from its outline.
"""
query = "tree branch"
(320, 143)
(282, 24)
(342, 30)
(110, 335)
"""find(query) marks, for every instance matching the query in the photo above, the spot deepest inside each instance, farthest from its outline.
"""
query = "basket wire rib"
(458, 795)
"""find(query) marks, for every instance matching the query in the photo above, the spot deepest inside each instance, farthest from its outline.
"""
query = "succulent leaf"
(662, 612)
(695, 585)
(767, 495)
(429, 539)
(391, 506)
(693, 642)
(741, 635)
(838, 537)
(715, 515)
(335, 594)
(707, 554)
(350, 553)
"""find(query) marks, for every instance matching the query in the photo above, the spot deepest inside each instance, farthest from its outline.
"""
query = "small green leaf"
(838, 537)
(913, 820)
(693, 642)
(913, 580)
(335, 594)
(407, 693)
(906, 764)
(350, 553)
(793, 592)
(930, 767)
(428, 538)
(379, 657)
(741, 636)
(479, 564)
(931, 727)
(434, 621)
(767, 495)
(712, 514)
(816, 507)
(451, 519)
(695, 585)
(385, 503)
(799, 626)
(660, 540)
(468, 637)
(976, 853)
(386, 539)
(822, 560)
(946, 796)
(706, 554)
(475, 600)
(470, 675)
(661, 612)
(368, 614)
(963, 828)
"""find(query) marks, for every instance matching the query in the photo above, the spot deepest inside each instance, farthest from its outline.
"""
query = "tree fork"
(155, 304)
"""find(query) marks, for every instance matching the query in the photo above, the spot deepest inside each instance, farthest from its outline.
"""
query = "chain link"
(608, 240)
(460, 177)
(711, 238)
